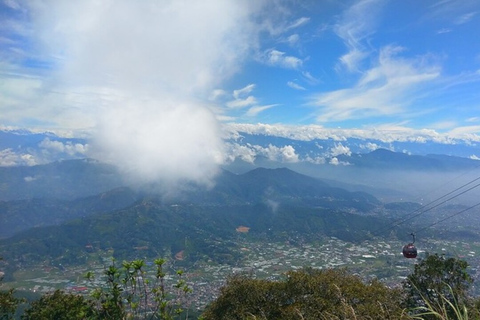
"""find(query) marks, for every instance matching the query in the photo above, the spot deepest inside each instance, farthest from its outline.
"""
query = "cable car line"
(437, 205)
(412, 215)
(409, 250)
(439, 198)
(451, 180)
(448, 217)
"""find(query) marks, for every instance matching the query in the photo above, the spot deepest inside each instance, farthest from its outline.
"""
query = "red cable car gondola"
(409, 250)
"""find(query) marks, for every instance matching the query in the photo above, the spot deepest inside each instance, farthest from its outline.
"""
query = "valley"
(262, 223)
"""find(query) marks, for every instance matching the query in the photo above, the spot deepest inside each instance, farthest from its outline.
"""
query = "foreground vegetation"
(437, 289)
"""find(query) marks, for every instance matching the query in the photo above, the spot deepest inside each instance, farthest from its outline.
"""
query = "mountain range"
(202, 223)
(66, 209)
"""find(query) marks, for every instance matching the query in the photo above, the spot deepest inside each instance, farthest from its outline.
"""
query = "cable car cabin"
(409, 251)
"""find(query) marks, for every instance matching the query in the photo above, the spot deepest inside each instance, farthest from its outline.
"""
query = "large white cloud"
(136, 72)
(168, 142)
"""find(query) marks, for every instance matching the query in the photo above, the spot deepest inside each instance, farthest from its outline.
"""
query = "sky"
(142, 77)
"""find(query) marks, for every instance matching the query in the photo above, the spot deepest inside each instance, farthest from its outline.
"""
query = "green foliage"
(438, 283)
(444, 309)
(8, 304)
(110, 300)
(61, 306)
(306, 294)
(129, 294)
(130, 291)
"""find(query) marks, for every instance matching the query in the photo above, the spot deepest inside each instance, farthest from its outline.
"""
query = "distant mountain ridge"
(386, 159)
(68, 180)
(41, 148)
(50, 206)
(21, 215)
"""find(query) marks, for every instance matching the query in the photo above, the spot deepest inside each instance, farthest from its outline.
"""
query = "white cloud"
(134, 71)
(241, 98)
(241, 103)
(254, 111)
(239, 93)
(217, 93)
(465, 18)
(370, 146)
(183, 45)
(353, 58)
(280, 59)
(293, 39)
(295, 86)
(444, 30)
(72, 149)
(9, 158)
(249, 153)
(282, 154)
(170, 141)
(298, 23)
(273, 205)
(386, 89)
(443, 125)
(355, 25)
(469, 133)
(315, 160)
(334, 161)
(12, 4)
(387, 133)
(309, 78)
(246, 152)
(340, 149)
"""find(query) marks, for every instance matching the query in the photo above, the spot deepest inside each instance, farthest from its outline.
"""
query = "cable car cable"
(449, 181)
(448, 217)
(439, 198)
(412, 214)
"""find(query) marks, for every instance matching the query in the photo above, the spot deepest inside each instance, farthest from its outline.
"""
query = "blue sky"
(336, 64)
(158, 86)
(374, 63)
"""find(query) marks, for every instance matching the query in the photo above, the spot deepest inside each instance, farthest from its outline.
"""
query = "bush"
(306, 294)
(440, 284)
(61, 306)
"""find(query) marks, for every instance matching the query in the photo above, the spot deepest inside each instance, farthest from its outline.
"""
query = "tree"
(127, 293)
(61, 306)
(436, 281)
(130, 294)
(8, 302)
(306, 294)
